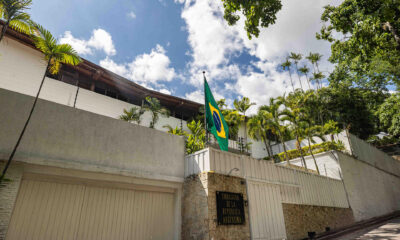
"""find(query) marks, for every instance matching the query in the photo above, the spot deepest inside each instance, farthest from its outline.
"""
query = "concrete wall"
(372, 192)
(63, 136)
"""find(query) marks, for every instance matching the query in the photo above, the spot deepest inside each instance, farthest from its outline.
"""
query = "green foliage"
(175, 131)
(132, 115)
(257, 13)
(367, 49)
(13, 12)
(389, 114)
(196, 138)
(377, 142)
(316, 148)
(55, 54)
(153, 105)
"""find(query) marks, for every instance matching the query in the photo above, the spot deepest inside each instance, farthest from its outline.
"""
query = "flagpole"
(205, 112)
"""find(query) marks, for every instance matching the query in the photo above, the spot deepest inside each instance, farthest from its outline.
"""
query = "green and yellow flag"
(215, 122)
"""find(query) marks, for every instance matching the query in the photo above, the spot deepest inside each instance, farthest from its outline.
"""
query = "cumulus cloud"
(147, 68)
(100, 40)
(215, 47)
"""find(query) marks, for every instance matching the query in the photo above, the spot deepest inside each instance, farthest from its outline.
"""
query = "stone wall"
(8, 193)
(200, 208)
(301, 219)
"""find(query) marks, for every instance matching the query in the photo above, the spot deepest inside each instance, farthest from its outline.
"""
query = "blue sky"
(166, 44)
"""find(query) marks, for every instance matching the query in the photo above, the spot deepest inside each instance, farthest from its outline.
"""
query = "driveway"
(389, 230)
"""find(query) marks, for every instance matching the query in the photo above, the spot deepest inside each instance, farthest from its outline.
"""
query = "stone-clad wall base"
(8, 194)
(199, 210)
(301, 219)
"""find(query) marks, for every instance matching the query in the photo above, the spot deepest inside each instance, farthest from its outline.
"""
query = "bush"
(316, 148)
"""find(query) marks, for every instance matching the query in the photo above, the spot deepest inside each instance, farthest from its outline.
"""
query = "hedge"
(316, 148)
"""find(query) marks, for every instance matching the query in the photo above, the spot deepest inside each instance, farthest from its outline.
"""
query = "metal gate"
(53, 210)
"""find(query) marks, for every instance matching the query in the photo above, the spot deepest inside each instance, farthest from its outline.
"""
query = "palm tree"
(304, 70)
(259, 125)
(242, 106)
(153, 105)
(296, 117)
(275, 123)
(310, 132)
(55, 55)
(314, 58)
(286, 66)
(196, 138)
(175, 131)
(296, 57)
(132, 115)
(317, 77)
(12, 11)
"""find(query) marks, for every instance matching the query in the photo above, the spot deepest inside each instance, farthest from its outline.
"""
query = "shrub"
(316, 148)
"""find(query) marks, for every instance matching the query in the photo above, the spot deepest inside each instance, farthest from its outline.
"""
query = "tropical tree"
(242, 106)
(296, 117)
(389, 114)
(256, 13)
(286, 67)
(317, 77)
(311, 131)
(175, 131)
(259, 127)
(153, 105)
(275, 124)
(365, 37)
(196, 138)
(132, 115)
(304, 70)
(55, 55)
(14, 15)
(296, 57)
(314, 58)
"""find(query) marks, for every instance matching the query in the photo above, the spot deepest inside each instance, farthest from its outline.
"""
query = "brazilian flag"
(215, 122)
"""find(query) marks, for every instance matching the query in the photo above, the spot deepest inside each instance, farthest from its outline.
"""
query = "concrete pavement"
(389, 230)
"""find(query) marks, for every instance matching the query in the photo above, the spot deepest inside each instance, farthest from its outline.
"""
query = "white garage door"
(53, 210)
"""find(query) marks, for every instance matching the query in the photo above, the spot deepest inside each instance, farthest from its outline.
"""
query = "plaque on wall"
(230, 208)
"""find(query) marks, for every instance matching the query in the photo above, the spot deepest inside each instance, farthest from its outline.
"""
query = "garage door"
(54, 210)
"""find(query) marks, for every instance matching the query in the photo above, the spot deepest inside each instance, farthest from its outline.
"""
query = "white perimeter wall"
(372, 192)
(71, 138)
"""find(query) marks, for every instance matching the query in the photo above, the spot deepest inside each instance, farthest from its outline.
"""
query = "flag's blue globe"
(217, 121)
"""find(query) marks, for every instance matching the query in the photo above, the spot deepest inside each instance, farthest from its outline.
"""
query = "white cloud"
(214, 46)
(165, 91)
(131, 15)
(147, 68)
(119, 69)
(100, 40)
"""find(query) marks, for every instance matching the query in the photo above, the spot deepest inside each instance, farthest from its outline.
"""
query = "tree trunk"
(308, 81)
(291, 80)
(315, 161)
(268, 146)
(3, 30)
(301, 85)
(284, 147)
(26, 124)
(301, 152)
